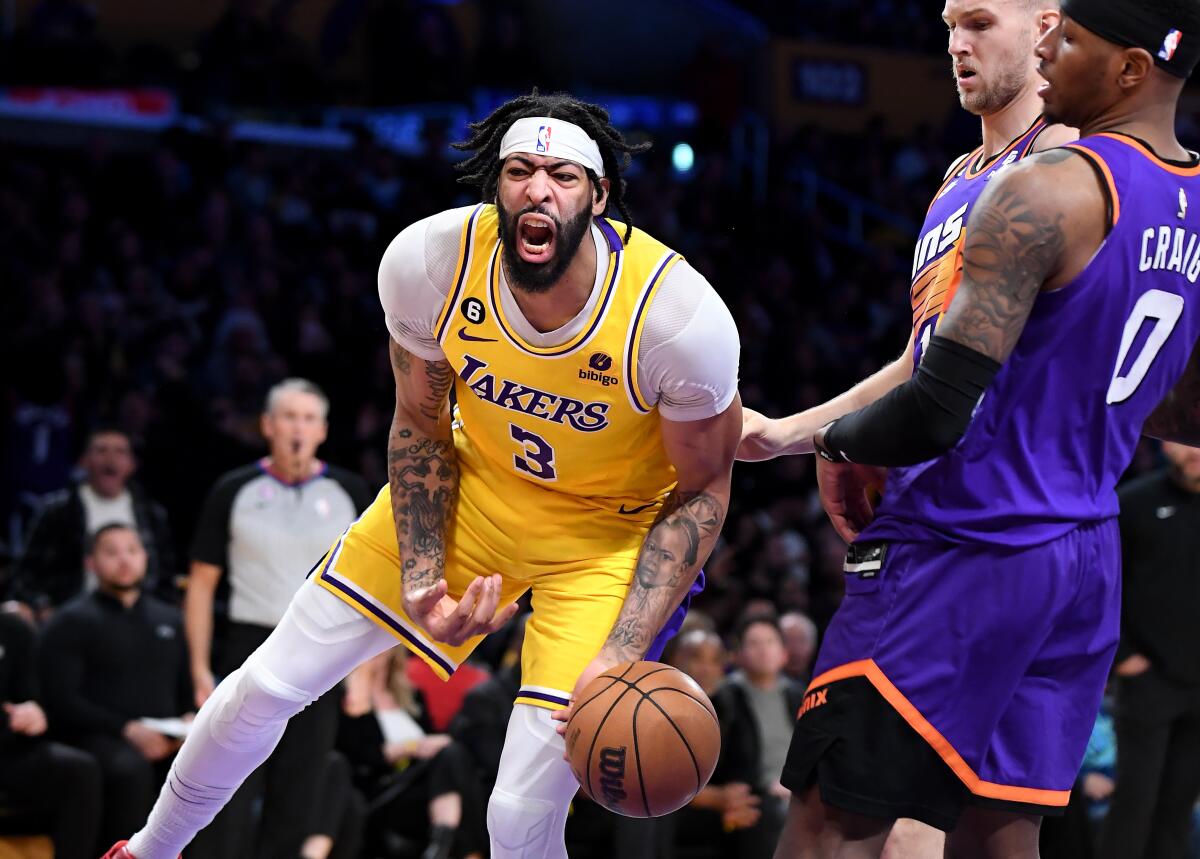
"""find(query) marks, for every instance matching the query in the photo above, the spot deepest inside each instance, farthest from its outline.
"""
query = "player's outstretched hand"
(762, 437)
(848, 494)
(452, 621)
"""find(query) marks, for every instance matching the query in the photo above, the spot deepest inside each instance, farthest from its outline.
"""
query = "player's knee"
(523, 827)
(256, 706)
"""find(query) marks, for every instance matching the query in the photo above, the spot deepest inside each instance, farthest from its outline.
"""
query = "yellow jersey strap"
(637, 397)
(466, 245)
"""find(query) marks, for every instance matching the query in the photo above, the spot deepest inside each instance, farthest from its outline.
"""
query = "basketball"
(643, 739)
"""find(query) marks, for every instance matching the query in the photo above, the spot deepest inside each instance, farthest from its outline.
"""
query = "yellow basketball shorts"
(577, 567)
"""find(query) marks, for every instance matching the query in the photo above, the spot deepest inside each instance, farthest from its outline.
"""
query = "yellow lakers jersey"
(569, 418)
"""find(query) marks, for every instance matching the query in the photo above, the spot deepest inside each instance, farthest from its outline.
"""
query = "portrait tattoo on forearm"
(678, 543)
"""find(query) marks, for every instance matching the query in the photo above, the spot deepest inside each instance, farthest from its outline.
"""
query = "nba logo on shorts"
(1170, 45)
(543, 138)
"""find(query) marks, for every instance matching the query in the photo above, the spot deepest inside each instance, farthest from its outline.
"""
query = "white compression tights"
(318, 642)
(527, 813)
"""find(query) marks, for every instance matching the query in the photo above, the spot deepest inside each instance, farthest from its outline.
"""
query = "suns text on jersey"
(939, 239)
(507, 394)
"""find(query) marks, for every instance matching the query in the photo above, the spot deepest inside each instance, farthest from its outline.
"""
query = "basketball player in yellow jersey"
(992, 46)
(587, 460)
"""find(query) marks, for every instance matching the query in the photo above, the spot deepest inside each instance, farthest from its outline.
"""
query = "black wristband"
(821, 447)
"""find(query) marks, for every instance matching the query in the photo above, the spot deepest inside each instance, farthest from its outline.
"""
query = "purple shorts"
(996, 657)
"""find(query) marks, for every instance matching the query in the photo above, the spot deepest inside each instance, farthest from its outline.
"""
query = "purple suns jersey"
(937, 262)
(1060, 423)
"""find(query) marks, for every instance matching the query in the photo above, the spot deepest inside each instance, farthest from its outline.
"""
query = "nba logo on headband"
(1170, 45)
(532, 134)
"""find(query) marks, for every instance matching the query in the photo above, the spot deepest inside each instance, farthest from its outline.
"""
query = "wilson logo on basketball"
(612, 775)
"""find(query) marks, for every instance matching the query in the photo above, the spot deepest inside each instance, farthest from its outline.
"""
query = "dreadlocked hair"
(482, 169)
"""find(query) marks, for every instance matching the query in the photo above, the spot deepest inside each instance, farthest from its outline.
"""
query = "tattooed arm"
(1177, 417)
(1033, 229)
(680, 540)
(671, 557)
(684, 533)
(422, 470)
(423, 479)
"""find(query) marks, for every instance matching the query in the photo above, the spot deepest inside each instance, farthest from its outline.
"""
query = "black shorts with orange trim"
(866, 759)
(973, 661)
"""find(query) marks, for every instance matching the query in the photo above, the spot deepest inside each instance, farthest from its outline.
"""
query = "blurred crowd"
(409, 49)
(905, 25)
(366, 52)
(164, 291)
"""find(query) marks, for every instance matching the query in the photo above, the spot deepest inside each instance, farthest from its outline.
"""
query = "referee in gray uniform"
(260, 524)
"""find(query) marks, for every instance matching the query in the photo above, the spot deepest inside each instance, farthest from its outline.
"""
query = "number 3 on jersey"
(536, 457)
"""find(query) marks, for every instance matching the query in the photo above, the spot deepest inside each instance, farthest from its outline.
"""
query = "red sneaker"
(120, 851)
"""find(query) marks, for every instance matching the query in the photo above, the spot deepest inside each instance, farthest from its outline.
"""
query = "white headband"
(540, 135)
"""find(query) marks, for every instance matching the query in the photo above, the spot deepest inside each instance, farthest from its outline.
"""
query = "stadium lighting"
(683, 158)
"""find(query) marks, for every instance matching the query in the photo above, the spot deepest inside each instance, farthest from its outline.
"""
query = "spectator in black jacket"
(108, 660)
(51, 570)
(414, 781)
(706, 827)
(1158, 664)
(385, 723)
(54, 782)
(757, 707)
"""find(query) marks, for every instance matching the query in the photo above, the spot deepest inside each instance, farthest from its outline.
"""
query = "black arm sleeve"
(923, 418)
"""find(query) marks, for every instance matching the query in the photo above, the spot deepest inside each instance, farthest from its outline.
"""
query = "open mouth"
(963, 75)
(535, 233)
(1044, 86)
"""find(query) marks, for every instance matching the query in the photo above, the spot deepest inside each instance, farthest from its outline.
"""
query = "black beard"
(539, 277)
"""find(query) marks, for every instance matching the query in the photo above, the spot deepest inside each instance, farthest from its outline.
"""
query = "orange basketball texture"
(643, 739)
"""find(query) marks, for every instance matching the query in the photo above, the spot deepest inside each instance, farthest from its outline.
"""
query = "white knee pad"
(528, 809)
(253, 707)
(524, 828)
